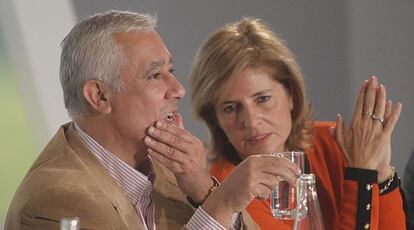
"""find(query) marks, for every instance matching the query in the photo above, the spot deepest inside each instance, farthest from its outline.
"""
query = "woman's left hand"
(366, 143)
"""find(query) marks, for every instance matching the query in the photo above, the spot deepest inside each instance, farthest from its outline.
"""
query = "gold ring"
(368, 113)
(377, 118)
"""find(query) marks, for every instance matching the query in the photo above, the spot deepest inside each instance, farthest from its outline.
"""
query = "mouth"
(172, 117)
(258, 138)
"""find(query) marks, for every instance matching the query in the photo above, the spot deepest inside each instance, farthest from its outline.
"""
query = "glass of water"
(283, 197)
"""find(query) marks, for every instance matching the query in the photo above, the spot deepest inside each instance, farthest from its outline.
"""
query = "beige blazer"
(67, 180)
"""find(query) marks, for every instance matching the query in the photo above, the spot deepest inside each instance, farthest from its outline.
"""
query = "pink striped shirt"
(137, 185)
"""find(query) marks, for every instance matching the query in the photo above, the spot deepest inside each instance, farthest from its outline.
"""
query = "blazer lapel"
(107, 184)
(172, 211)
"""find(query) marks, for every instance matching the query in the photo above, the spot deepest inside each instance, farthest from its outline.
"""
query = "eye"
(230, 108)
(263, 98)
(172, 70)
(155, 76)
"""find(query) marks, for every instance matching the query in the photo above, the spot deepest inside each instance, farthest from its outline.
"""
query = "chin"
(267, 150)
(253, 153)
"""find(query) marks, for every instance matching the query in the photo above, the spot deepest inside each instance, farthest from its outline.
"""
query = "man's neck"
(107, 137)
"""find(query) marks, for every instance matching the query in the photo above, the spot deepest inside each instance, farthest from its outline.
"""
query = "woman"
(249, 90)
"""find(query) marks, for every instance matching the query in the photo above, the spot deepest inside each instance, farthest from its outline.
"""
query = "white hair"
(89, 52)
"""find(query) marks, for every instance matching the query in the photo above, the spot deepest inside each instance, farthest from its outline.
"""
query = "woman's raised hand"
(366, 143)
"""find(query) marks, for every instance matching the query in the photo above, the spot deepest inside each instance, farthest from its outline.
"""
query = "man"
(117, 79)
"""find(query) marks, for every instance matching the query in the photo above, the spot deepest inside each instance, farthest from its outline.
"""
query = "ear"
(96, 94)
(291, 102)
(289, 92)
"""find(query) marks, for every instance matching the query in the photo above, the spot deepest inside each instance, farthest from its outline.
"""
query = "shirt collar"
(135, 184)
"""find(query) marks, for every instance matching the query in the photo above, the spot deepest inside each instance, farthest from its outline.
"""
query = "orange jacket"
(349, 197)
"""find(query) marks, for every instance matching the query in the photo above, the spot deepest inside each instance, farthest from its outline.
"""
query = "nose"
(175, 90)
(248, 117)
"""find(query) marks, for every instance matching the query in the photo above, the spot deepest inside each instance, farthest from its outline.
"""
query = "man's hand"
(183, 154)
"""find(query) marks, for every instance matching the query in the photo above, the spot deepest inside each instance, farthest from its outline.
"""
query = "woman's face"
(254, 112)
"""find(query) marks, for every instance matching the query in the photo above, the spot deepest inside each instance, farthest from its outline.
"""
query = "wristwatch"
(216, 184)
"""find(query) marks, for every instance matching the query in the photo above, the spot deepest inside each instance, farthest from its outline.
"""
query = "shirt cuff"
(236, 222)
(202, 220)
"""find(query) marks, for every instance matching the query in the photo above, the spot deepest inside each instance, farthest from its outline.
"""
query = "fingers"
(167, 162)
(365, 143)
(175, 147)
(358, 112)
(179, 120)
(166, 140)
(370, 95)
(263, 191)
(267, 184)
(280, 162)
(340, 133)
(168, 127)
(340, 128)
(388, 109)
(373, 98)
(392, 119)
(260, 174)
(380, 104)
(273, 168)
(165, 150)
(290, 171)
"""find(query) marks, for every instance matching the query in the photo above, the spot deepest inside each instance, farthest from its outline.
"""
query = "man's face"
(151, 91)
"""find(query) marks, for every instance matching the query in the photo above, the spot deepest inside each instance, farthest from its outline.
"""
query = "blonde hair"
(229, 50)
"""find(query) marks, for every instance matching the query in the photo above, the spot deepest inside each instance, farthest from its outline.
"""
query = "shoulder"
(323, 141)
(45, 207)
(323, 126)
(59, 184)
(323, 132)
(62, 199)
(324, 145)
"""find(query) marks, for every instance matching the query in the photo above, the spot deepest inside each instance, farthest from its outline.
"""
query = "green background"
(17, 147)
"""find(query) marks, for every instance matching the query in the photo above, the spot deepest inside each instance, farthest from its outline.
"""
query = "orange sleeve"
(394, 216)
(348, 210)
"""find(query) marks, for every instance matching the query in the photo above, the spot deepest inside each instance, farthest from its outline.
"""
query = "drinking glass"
(283, 197)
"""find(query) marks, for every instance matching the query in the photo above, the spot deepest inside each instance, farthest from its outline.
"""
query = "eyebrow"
(254, 95)
(156, 64)
(160, 63)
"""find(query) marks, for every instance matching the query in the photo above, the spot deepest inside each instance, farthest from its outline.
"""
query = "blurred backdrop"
(337, 43)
